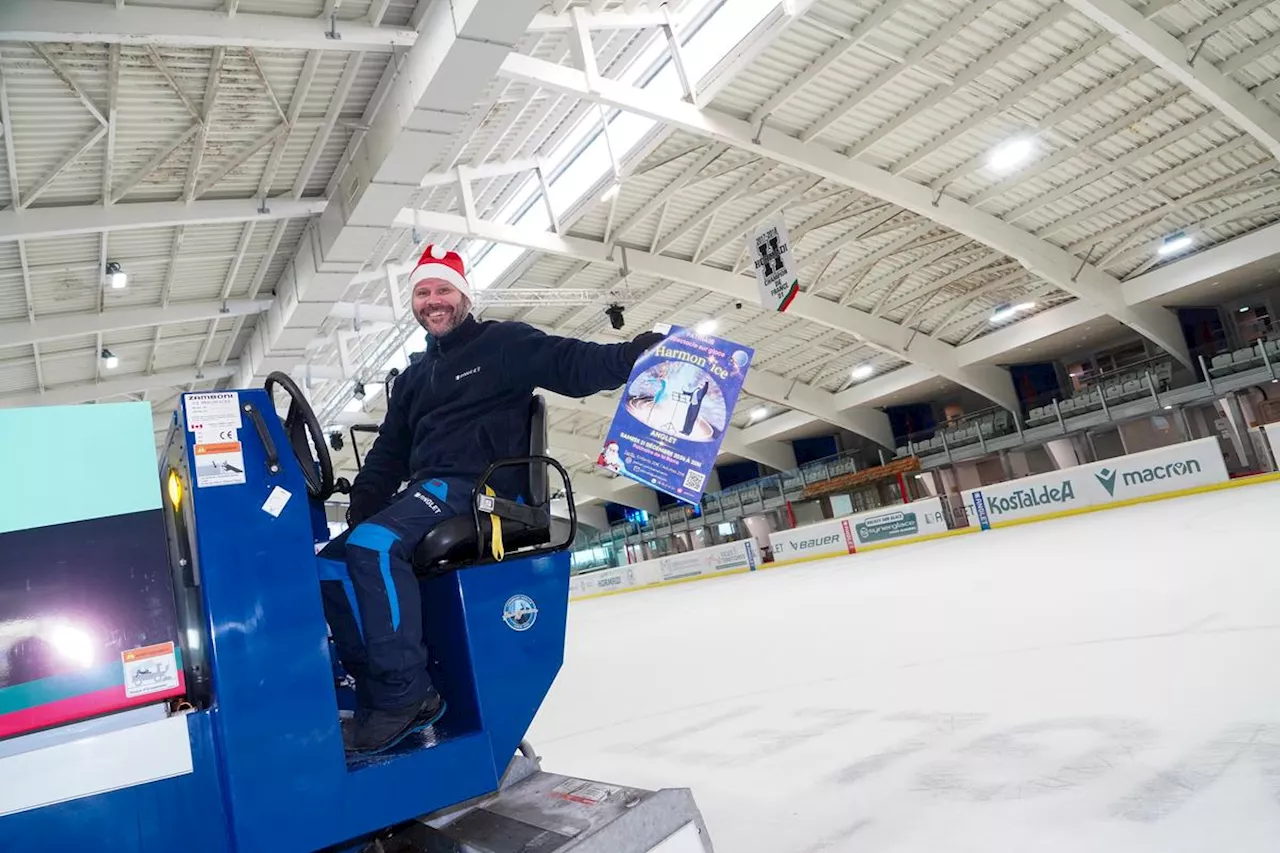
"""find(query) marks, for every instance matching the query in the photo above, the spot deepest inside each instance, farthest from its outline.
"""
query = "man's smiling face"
(439, 306)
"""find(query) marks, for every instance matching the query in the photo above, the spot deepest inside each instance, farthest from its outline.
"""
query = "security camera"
(358, 391)
(614, 313)
(335, 441)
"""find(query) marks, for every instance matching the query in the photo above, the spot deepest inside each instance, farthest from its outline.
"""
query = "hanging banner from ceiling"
(674, 412)
(776, 272)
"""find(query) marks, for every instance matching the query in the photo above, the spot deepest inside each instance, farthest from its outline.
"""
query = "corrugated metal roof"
(925, 89)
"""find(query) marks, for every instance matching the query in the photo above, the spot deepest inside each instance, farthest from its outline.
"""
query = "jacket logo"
(466, 373)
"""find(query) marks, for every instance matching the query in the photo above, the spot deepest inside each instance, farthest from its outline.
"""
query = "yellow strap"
(499, 551)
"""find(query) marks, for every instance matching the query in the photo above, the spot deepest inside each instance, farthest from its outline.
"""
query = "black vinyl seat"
(454, 542)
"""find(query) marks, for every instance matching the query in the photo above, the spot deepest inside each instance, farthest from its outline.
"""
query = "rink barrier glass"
(1254, 480)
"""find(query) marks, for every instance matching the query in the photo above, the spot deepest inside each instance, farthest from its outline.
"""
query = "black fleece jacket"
(465, 404)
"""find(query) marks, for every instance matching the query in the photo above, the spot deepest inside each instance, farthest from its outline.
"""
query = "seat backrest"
(538, 447)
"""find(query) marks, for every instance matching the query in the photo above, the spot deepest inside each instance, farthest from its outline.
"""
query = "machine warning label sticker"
(214, 416)
(150, 669)
(584, 792)
(219, 464)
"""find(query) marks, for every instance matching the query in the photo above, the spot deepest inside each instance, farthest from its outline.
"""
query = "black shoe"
(372, 731)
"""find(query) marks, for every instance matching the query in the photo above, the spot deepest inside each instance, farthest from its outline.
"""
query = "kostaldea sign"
(776, 270)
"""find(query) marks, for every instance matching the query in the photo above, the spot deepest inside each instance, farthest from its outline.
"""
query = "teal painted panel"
(73, 463)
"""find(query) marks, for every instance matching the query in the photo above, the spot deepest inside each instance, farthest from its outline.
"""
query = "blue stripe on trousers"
(334, 570)
(376, 538)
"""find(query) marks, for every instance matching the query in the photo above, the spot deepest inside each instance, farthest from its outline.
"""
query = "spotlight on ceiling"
(358, 391)
(862, 371)
(109, 359)
(116, 277)
(706, 327)
(1007, 311)
(1174, 243)
(614, 313)
(1244, 309)
(759, 412)
(1011, 153)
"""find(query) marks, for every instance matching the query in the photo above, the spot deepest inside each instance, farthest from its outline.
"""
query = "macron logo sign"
(1171, 471)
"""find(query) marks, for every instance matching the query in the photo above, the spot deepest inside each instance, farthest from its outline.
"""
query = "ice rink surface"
(1108, 682)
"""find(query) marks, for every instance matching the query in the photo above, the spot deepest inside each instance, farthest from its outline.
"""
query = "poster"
(776, 270)
(674, 411)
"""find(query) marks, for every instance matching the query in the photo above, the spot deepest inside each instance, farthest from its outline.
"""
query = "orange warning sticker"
(219, 464)
(150, 669)
(224, 447)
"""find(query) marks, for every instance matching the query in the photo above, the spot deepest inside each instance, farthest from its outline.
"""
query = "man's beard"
(455, 320)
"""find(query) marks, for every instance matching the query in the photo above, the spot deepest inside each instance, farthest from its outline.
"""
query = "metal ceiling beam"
(61, 21)
(1200, 76)
(1027, 331)
(992, 383)
(83, 392)
(23, 332)
(42, 222)
(1041, 257)
(970, 12)
(1203, 266)
(421, 103)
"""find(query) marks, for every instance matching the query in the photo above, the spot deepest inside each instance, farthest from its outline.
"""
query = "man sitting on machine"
(462, 406)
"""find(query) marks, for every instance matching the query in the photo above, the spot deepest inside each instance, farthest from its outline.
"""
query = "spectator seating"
(987, 425)
(1245, 358)
(1118, 388)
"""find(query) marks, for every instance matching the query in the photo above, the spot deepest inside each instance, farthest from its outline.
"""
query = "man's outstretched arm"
(572, 367)
(386, 465)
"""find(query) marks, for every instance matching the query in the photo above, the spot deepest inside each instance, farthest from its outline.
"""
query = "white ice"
(1108, 682)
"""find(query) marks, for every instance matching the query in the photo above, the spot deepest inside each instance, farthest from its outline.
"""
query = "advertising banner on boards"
(740, 556)
(1151, 472)
(674, 410)
(851, 533)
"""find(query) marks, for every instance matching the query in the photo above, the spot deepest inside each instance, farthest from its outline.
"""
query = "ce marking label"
(227, 435)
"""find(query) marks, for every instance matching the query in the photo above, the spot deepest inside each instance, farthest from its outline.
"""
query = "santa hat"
(438, 262)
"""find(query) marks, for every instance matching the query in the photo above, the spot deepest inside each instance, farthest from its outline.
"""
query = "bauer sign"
(776, 271)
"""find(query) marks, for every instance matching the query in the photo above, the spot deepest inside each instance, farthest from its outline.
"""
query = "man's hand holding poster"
(674, 411)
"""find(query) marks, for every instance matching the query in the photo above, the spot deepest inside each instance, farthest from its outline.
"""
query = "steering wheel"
(299, 422)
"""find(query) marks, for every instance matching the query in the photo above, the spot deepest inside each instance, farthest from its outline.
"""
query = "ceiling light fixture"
(706, 327)
(116, 277)
(1244, 309)
(1011, 153)
(759, 412)
(1174, 243)
(1007, 311)
(862, 371)
(109, 360)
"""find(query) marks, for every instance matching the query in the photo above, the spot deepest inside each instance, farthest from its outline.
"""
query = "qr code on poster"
(694, 480)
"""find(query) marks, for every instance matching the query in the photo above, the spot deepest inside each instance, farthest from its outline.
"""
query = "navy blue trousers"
(372, 599)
